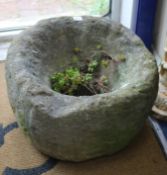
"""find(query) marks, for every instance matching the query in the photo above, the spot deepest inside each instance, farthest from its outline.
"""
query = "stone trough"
(83, 127)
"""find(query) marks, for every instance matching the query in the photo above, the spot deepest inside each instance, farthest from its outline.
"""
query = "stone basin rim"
(124, 93)
(129, 89)
(42, 22)
(79, 128)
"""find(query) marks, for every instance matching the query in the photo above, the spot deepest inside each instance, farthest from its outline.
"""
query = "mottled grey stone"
(79, 128)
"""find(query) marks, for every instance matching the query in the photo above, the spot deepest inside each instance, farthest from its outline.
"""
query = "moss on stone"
(21, 122)
(121, 57)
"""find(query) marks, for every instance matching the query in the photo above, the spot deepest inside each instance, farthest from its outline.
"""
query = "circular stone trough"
(83, 127)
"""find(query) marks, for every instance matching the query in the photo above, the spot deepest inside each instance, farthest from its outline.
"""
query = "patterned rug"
(18, 156)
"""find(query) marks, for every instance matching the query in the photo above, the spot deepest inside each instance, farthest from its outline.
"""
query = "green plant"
(87, 77)
(92, 65)
(99, 47)
(67, 81)
(121, 57)
(75, 59)
(104, 80)
(83, 79)
(105, 63)
(76, 50)
(99, 7)
(93, 7)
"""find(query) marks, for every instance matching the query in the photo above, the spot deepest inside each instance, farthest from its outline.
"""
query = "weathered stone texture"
(79, 128)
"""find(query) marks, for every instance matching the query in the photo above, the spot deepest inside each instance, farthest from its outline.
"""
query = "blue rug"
(160, 129)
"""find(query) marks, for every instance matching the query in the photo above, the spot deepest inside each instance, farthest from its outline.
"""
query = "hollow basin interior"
(53, 49)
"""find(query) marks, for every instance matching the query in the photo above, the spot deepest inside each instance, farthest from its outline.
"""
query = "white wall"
(160, 31)
(123, 11)
(116, 10)
(126, 13)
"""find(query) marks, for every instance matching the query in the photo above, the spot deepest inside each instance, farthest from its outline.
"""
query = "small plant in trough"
(84, 79)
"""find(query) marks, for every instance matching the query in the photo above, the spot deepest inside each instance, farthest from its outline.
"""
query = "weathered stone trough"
(85, 127)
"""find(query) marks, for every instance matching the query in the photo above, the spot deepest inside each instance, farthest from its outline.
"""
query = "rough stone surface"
(86, 127)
